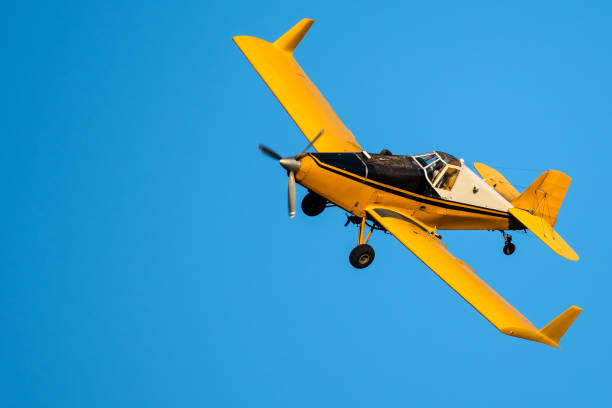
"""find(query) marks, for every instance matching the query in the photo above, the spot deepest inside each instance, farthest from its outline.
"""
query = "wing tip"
(290, 40)
(559, 325)
(550, 334)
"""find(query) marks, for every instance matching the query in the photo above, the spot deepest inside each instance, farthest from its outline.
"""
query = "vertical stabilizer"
(543, 198)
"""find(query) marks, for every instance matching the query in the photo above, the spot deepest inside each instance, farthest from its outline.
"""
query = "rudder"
(543, 198)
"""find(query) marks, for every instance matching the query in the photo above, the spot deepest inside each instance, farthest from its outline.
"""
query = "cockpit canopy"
(441, 168)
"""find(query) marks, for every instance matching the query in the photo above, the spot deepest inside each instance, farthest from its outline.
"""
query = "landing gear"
(313, 204)
(361, 256)
(509, 247)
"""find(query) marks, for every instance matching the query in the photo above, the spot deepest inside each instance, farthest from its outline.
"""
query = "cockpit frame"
(441, 169)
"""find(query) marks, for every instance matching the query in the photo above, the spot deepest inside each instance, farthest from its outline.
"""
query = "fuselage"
(437, 189)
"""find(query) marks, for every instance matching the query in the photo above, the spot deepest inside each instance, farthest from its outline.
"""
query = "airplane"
(410, 196)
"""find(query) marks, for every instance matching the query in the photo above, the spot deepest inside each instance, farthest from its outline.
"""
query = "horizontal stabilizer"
(499, 183)
(543, 230)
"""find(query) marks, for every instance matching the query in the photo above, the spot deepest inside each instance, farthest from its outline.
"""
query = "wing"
(299, 96)
(459, 276)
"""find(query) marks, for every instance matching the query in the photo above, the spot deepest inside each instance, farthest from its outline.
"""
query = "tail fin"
(544, 197)
(557, 328)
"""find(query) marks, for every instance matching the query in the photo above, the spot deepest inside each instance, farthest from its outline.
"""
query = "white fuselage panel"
(469, 188)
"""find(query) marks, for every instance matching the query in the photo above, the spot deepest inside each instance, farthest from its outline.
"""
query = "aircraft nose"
(290, 164)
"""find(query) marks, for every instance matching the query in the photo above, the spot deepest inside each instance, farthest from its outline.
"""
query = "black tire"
(361, 256)
(313, 204)
(509, 248)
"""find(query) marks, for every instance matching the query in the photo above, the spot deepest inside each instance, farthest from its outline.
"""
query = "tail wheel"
(361, 256)
(509, 248)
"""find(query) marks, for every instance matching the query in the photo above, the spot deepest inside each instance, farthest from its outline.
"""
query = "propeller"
(269, 152)
(291, 194)
(292, 165)
(314, 140)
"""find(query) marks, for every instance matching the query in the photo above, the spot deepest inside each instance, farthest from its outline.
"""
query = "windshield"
(447, 181)
(449, 159)
(426, 159)
(434, 165)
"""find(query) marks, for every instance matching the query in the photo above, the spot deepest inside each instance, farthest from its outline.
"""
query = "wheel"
(313, 204)
(361, 256)
(509, 248)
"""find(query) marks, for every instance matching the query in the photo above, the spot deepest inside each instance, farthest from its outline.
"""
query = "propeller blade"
(269, 152)
(313, 140)
(291, 194)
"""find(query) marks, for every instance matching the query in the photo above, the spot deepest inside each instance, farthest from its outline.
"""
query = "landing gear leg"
(363, 254)
(509, 247)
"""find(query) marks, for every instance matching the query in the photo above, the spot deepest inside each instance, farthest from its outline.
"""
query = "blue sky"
(147, 258)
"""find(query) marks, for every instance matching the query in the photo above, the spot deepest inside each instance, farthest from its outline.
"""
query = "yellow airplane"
(412, 197)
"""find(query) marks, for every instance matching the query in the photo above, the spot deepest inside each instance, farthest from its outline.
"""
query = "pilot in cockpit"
(436, 163)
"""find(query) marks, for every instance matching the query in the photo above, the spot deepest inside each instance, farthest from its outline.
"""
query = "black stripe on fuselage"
(411, 196)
